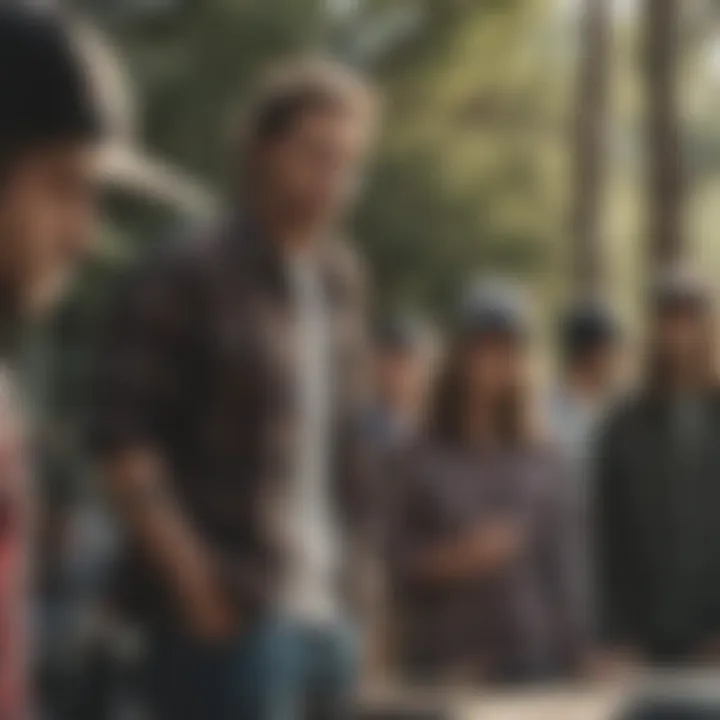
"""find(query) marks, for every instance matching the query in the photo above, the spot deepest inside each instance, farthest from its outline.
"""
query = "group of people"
(300, 496)
(562, 531)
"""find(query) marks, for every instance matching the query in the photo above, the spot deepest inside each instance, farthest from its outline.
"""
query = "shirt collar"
(248, 243)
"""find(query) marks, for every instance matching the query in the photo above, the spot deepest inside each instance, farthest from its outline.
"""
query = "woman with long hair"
(483, 539)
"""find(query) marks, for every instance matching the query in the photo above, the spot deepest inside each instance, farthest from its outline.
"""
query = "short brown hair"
(291, 89)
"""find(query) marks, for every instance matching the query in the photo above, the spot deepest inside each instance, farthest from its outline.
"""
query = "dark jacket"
(199, 364)
(658, 486)
(521, 624)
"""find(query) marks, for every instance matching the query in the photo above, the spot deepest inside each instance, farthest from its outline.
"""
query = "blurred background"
(573, 144)
(520, 135)
(478, 164)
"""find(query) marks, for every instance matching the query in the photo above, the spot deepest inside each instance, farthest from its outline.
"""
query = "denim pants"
(279, 670)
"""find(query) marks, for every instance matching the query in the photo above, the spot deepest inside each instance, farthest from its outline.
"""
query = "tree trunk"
(590, 150)
(666, 185)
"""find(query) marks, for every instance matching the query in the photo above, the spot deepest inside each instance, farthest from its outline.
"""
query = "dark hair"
(291, 89)
(511, 416)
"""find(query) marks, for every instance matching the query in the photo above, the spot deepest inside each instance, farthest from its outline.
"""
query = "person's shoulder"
(617, 427)
(184, 262)
(192, 253)
(169, 284)
(624, 412)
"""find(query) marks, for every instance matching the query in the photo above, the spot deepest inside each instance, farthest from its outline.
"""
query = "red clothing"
(13, 582)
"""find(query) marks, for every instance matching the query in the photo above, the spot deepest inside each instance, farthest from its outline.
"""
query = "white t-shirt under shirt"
(309, 591)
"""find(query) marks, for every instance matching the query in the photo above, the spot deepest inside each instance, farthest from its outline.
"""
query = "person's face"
(681, 336)
(316, 169)
(400, 378)
(495, 366)
(47, 219)
(603, 366)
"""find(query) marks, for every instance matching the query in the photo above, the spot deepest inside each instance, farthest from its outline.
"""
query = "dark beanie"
(587, 326)
(45, 94)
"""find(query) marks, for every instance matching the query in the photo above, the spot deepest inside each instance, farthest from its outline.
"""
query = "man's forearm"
(155, 522)
(479, 551)
(446, 562)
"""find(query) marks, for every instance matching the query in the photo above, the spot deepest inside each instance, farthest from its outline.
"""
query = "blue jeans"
(278, 670)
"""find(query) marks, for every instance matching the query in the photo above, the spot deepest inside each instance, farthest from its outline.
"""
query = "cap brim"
(128, 169)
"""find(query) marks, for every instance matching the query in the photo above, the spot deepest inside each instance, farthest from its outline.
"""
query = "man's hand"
(486, 549)
(494, 546)
(616, 663)
(209, 615)
(171, 544)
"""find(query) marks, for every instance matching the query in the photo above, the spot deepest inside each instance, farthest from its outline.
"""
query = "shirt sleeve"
(411, 532)
(136, 381)
(614, 543)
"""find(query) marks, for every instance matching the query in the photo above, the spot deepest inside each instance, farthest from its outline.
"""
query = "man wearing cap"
(657, 476)
(48, 129)
(401, 375)
(589, 342)
(228, 424)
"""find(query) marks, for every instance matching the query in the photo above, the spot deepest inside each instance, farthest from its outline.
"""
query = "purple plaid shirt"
(522, 622)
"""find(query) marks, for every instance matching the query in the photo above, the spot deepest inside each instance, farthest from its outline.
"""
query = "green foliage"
(461, 181)
(472, 169)
(193, 66)
(467, 173)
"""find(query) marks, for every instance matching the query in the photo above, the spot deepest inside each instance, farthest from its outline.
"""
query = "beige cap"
(125, 165)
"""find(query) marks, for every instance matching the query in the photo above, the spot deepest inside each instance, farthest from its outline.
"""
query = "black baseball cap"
(587, 325)
(45, 93)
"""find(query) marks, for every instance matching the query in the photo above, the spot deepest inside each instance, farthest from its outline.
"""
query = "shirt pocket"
(255, 353)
